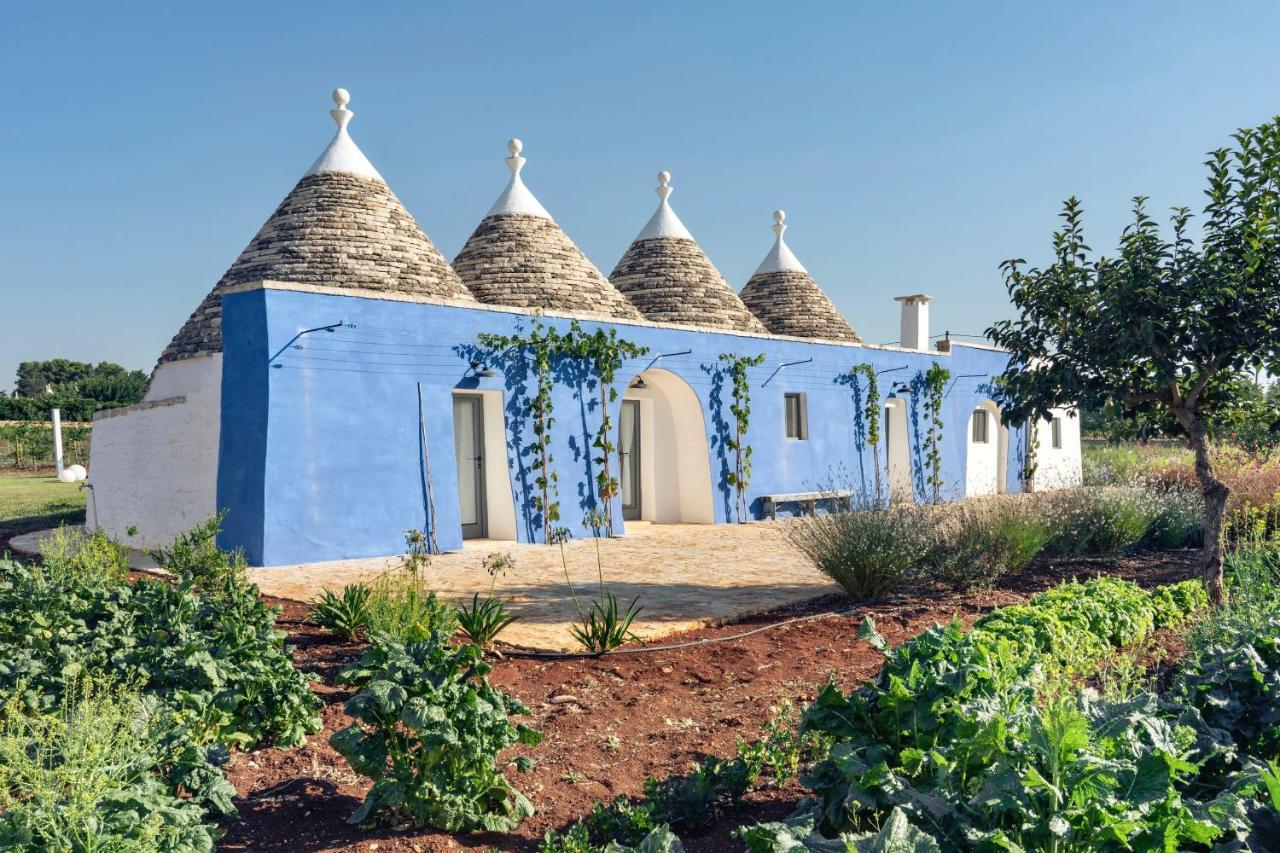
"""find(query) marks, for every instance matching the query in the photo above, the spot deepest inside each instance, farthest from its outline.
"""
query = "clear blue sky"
(914, 146)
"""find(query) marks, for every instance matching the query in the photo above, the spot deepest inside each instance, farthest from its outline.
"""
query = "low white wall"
(154, 466)
(1057, 468)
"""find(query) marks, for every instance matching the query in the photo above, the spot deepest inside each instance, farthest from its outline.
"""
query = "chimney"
(915, 321)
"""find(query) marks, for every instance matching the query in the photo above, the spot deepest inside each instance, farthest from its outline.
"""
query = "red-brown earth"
(617, 719)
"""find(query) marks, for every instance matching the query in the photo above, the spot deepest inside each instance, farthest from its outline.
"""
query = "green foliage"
(868, 552)
(91, 557)
(1099, 521)
(77, 388)
(576, 839)
(347, 614)
(428, 730)
(782, 748)
(800, 833)
(606, 352)
(975, 544)
(483, 621)
(740, 477)
(606, 625)
(951, 713)
(89, 778)
(29, 443)
(1153, 331)
(934, 383)
(542, 345)
(216, 661)
(194, 555)
(871, 418)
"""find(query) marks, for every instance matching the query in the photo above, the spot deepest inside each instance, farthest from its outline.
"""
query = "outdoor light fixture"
(638, 384)
(481, 369)
(901, 387)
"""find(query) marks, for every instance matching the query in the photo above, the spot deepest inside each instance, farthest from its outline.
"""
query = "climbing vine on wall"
(542, 344)
(606, 352)
(935, 380)
(740, 408)
(871, 414)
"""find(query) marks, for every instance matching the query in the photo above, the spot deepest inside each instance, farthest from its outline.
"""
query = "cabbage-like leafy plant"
(428, 730)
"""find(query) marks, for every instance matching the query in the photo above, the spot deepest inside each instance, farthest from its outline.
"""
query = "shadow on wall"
(515, 367)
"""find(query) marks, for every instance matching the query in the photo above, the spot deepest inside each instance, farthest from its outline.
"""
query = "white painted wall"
(983, 460)
(155, 465)
(675, 464)
(898, 452)
(1058, 468)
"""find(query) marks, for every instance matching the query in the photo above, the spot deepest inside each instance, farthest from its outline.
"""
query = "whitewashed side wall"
(1058, 468)
(154, 466)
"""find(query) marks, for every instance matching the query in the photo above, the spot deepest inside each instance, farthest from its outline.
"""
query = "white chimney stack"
(915, 321)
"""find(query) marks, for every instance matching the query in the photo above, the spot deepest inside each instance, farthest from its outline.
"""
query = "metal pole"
(432, 541)
(57, 442)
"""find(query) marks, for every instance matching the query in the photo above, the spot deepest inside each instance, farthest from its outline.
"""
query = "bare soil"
(609, 722)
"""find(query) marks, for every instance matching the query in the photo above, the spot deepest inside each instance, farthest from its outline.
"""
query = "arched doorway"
(662, 447)
(986, 465)
(897, 452)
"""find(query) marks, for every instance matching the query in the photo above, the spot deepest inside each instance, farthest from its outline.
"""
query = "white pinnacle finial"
(515, 162)
(516, 198)
(664, 222)
(342, 155)
(664, 188)
(780, 257)
(341, 115)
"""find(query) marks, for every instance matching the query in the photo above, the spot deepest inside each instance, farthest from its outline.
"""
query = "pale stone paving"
(685, 575)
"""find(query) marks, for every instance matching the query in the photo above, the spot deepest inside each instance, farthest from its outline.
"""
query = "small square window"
(980, 426)
(796, 416)
(1055, 430)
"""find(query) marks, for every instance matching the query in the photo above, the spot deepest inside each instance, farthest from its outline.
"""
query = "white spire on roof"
(516, 198)
(342, 153)
(780, 257)
(664, 222)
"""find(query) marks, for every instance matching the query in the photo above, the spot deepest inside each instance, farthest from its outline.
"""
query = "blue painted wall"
(321, 452)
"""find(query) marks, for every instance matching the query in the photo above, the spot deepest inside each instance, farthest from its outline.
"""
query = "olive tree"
(1165, 322)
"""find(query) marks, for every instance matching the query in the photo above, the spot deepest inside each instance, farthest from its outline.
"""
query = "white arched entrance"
(662, 449)
(986, 465)
(897, 451)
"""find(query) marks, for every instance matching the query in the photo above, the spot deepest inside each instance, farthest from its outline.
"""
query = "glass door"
(629, 451)
(468, 448)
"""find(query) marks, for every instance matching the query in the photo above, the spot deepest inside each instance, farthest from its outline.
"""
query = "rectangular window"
(1055, 428)
(980, 426)
(796, 416)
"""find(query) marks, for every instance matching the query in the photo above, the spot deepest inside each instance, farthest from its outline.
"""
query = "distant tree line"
(78, 388)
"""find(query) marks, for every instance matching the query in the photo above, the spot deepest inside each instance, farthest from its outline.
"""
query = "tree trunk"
(1215, 494)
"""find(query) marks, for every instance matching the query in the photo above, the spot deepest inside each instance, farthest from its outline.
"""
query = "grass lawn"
(31, 502)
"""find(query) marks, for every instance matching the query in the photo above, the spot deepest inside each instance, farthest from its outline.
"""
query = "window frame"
(1055, 432)
(985, 421)
(801, 419)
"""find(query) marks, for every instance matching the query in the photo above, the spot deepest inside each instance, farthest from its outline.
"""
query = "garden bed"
(610, 722)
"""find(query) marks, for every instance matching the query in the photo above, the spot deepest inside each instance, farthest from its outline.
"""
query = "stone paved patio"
(685, 575)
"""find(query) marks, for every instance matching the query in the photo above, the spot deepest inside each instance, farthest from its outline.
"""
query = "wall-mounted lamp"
(900, 388)
(638, 384)
(482, 370)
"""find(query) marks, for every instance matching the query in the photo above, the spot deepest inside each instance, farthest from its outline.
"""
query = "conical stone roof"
(671, 280)
(341, 226)
(787, 299)
(518, 256)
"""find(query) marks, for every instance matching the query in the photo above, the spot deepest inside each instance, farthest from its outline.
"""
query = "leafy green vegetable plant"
(89, 778)
(428, 731)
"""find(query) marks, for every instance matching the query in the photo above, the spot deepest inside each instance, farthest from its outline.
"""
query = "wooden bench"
(808, 500)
